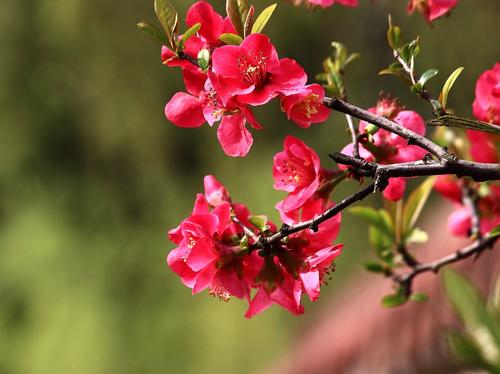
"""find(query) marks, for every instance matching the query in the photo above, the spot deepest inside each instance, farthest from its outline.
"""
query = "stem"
(354, 136)
(313, 223)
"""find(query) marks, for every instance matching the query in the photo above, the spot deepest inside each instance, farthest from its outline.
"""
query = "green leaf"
(447, 86)
(471, 308)
(248, 24)
(339, 54)
(203, 59)
(449, 120)
(190, 32)
(374, 267)
(417, 236)
(154, 32)
(465, 349)
(378, 218)
(381, 244)
(230, 38)
(394, 37)
(263, 18)
(237, 11)
(351, 58)
(167, 15)
(495, 231)
(394, 300)
(415, 203)
(258, 221)
(419, 297)
(424, 78)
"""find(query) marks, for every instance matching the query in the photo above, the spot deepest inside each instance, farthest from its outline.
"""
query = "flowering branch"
(461, 168)
(312, 224)
(476, 248)
(386, 124)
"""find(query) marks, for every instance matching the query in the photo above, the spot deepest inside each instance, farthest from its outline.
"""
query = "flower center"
(296, 173)
(310, 105)
(253, 68)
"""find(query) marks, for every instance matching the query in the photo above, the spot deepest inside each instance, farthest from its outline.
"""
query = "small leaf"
(447, 86)
(418, 236)
(154, 32)
(230, 38)
(424, 78)
(415, 203)
(248, 24)
(351, 58)
(374, 267)
(339, 54)
(167, 15)
(378, 218)
(237, 11)
(203, 58)
(381, 244)
(419, 297)
(258, 221)
(190, 32)
(449, 120)
(263, 18)
(394, 300)
(495, 231)
(394, 37)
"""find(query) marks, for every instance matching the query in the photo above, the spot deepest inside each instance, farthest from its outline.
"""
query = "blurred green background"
(92, 176)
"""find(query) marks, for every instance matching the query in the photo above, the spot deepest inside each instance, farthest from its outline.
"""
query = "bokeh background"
(92, 176)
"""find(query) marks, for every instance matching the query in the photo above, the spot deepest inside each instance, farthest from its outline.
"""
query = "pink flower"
(208, 253)
(395, 190)
(212, 26)
(448, 186)
(199, 105)
(194, 260)
(483, 146)
(212, 23)
(328, 3)
(348, 150)
(297, 170)
(431, 9)
(253, 72)
(486, 106)
(459, 221)
(215, 193)
(306, 106)
(389, 148)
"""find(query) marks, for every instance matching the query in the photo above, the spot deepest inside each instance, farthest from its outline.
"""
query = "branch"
(461, 168)
(474, 249)
(312, 224)
(386, 124)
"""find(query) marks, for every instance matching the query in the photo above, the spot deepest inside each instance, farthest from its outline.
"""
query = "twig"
(461, 168)
(354, 136)
(475, 248)
(470, 201)
(312, 224)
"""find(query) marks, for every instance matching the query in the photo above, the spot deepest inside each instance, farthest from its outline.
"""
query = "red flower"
(306, 106)
(431, 9)
(328, 3)
(253, 72)
(486, 106)
(482, 146)
(200, 105)
(297, 170)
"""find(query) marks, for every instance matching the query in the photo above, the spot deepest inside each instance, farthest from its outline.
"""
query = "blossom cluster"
(385, 147)
(238, 78)
(221, 245)
(482, 148)
(218, 243)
